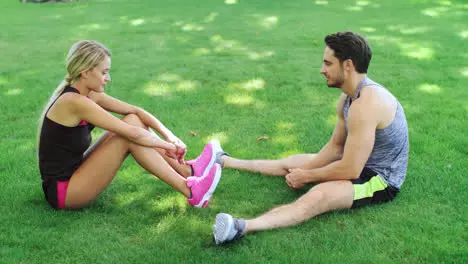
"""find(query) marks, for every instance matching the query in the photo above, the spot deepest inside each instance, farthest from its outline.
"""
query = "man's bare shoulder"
(378, 102)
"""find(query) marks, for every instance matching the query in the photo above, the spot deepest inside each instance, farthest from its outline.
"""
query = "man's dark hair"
(348, 45)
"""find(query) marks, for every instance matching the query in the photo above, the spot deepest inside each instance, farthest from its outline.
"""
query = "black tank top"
(61, 148)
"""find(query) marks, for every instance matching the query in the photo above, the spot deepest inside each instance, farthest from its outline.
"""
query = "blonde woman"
(74, 174)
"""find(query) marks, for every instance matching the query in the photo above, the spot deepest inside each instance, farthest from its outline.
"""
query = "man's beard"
(339, 79)
(338, 82)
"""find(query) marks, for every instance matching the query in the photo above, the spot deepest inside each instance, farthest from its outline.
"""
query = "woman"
(74, 174)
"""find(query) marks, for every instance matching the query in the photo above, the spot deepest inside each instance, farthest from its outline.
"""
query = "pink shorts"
(55, 192)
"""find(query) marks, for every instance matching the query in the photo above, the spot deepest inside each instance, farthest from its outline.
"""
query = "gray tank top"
(389, 157)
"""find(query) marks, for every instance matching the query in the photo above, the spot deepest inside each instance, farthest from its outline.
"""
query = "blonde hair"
(82, 56)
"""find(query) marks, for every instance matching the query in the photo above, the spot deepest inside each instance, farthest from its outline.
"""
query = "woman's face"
(98, 77)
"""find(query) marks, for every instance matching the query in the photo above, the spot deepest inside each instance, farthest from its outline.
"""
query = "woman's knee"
(134, 120)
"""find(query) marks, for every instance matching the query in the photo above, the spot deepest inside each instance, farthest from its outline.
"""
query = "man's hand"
(296, 178)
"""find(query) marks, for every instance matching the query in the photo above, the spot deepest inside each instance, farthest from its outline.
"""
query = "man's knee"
(306, 206)
(134, 120)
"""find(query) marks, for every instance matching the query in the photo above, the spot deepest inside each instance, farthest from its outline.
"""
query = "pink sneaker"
(203, 163)
(203, 187)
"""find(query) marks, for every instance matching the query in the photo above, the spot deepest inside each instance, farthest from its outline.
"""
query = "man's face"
(332, 69)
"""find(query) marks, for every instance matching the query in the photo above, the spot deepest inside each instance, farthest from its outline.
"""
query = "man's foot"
(203, 187)
(203, 163)
(219, 153)
(228, 229)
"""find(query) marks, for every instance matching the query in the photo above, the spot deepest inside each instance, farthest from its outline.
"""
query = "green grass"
(238, 72)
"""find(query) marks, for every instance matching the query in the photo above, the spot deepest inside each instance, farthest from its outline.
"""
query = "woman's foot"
(203, 163)
(203, 187)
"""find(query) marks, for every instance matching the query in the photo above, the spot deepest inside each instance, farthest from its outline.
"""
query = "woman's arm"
(90, 111)
(112, 104)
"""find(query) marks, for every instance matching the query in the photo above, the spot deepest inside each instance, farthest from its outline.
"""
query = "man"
(364, 162)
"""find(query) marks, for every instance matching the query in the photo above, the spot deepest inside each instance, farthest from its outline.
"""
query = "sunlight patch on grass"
(221, 136)
(14, 92)
(321, 2)
(56, 16)
(256, 56)
(186, 85)
(188, 26)
(239, 99)
(169, 77)
(125, 199)
(168, 83)
(445, 2)
(285, 139)
(430, 88)
(254, 84)
(183, 39)
(354, 8)
(92, 27)
(230, 2)
(285, 126)
(28, 146)
(211, 17)
(408, 30)
(362, 3)
(368, 29)
(137, 22)
(331, 120)
(463, 34)
(222, 45)
(3, 80)
(170, 203)
(163, 226)
(260, 104)
(201, 52)
(158, 89)
(269, 22)
(435, 11)
(384, 39)
(417, 50)
(464, 72)
(230, 45)
(192, 27)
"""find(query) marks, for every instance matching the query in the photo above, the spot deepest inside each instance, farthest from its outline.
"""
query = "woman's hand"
(180, 149)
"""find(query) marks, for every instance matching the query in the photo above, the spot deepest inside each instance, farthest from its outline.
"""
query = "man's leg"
(321, 198)
(269, 167)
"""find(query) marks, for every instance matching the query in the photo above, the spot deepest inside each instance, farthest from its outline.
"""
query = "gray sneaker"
(219, 153)
(228, 229)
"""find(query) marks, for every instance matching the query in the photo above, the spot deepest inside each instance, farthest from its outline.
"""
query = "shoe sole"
(211, 190)
(221, 233)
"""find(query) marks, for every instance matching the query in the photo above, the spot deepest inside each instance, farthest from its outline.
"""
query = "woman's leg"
(184, 170)
(103, 161)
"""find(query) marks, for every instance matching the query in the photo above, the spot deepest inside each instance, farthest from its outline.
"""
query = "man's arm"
(362, 123)
(333, 150)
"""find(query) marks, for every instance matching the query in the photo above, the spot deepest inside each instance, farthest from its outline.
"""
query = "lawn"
(238, 71)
